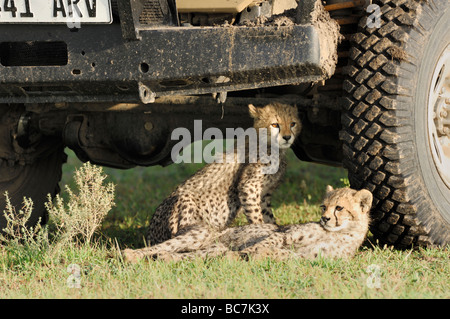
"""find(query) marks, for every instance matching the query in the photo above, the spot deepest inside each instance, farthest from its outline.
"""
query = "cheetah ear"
(365, 197)
(329, 189)
(253, 110)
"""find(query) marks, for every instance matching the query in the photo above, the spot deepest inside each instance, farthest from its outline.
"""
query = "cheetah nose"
(325, 219)
(287, 137)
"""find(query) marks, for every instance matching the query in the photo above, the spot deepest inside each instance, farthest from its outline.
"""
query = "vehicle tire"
(34, 173)
(396, 128)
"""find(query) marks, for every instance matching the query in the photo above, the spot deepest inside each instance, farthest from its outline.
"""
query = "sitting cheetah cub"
(209, 201)
(339, 233)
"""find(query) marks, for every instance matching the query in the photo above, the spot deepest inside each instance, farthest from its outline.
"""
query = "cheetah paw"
(131, 256)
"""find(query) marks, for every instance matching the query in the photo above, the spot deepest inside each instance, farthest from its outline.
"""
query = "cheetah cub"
(339, 233)
(208, 202)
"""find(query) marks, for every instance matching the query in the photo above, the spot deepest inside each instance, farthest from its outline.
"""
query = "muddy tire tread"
(377, 134)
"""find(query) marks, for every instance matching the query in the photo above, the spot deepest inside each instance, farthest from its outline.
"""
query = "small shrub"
(17, 231)
(85, 209)
(25, 245)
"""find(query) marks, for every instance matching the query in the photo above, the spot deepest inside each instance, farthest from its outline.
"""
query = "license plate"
(55, 11)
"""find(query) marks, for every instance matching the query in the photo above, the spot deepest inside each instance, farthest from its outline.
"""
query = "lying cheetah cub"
(209, 201)
(339, 233)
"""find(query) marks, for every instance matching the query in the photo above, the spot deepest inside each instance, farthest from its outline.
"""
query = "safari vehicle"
(111, 79)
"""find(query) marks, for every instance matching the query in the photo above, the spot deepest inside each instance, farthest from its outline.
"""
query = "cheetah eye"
(275, 125)
(323, 207)
(339, 208)
(292, 124)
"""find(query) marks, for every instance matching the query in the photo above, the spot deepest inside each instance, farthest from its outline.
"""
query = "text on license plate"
(55, 11)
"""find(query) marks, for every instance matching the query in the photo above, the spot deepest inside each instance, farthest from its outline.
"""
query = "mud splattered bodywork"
(132, 61)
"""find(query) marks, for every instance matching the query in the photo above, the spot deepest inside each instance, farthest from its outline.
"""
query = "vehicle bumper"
(102, 66)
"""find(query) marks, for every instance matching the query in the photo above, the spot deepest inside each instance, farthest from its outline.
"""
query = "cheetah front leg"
(266, 210)
(274, 242)
(250, 199)
(278, 254)
(186, 240)
(254, 202)
(257, 210)
(278, 245)
(212, 251)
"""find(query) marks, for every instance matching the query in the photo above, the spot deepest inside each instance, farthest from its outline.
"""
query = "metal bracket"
(146, 95)
(253, 12)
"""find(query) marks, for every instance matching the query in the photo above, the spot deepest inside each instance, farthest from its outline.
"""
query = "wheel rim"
(439, 116)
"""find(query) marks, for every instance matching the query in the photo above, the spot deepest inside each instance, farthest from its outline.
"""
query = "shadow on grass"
(139, 191)
(125, 237)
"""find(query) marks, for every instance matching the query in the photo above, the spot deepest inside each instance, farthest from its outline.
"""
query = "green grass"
(42, 273)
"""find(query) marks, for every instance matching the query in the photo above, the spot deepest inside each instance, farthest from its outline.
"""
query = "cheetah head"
(346, 209)
(281, 120)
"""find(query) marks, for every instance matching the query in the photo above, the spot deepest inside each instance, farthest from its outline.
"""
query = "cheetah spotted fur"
(339, 233)
(208, 202)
